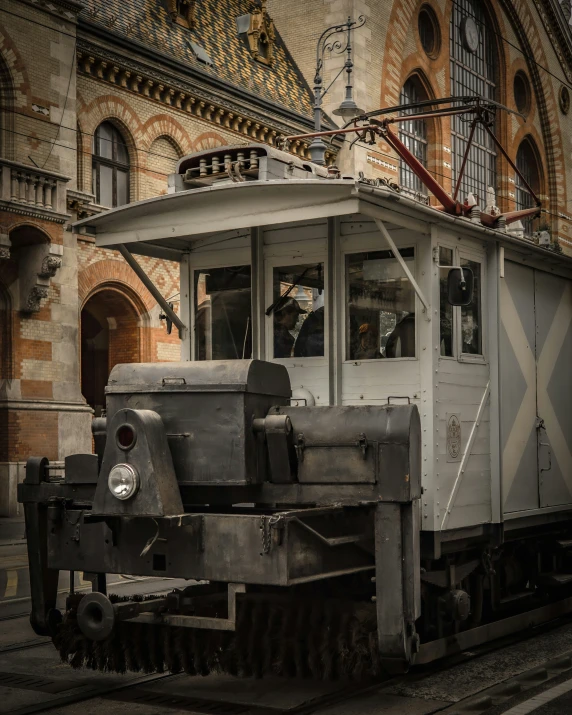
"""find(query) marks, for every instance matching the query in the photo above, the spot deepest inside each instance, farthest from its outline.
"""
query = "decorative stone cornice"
(82, 204)
(558, 32)
(189, 98)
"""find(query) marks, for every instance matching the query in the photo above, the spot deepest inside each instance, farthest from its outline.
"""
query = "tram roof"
(167, 226)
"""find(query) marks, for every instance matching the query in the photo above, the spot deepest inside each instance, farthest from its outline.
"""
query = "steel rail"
(89, 694)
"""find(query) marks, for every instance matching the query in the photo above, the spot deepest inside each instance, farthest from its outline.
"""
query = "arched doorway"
(110, 334)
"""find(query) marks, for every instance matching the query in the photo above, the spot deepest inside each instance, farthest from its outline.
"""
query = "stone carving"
(183, 12)
(36, 295)
(4, 253)
(261, 35)
(50, 265)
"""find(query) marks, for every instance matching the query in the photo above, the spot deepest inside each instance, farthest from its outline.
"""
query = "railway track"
(143, 690)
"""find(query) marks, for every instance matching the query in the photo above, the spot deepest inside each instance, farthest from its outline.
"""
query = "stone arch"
(163, 125)
(208, 140)
(161, 160)
(547, 104)
(110, 333)
(117, 272)
(26, 233)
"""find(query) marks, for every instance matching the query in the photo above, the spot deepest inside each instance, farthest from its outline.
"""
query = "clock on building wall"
(470, 34)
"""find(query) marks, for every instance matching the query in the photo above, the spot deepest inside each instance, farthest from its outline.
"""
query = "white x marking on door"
(526, 416)
(551, 350)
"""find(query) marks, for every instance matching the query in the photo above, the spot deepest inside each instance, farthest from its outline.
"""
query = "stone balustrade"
(32, 191)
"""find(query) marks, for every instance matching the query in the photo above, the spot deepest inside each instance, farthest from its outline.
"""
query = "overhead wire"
(54, 142)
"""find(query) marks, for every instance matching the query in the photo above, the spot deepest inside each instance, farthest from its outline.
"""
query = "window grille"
(472, 74)
(414, 135)
(527, 165)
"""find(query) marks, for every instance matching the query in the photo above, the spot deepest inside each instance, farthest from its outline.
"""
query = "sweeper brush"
(323, 639)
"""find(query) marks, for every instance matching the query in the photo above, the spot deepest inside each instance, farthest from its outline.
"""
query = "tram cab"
(347, 285)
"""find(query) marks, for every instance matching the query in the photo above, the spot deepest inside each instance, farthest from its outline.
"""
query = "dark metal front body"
(280, 549)
(236, 486)
(207, 409)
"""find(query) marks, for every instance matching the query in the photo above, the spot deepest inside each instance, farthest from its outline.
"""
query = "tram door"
(379, 352)
(296, 323)
(536, 388)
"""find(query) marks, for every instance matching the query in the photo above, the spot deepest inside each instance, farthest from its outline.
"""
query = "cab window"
(223, 320)
(471, 315)
(298, 310)
(381, 306)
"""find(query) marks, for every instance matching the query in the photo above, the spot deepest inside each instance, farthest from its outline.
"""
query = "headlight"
(123, 481)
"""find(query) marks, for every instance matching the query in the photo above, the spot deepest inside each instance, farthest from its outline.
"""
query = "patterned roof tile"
(148, 21)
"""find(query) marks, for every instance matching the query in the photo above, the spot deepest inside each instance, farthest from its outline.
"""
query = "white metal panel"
(553, 306)
(518, 389)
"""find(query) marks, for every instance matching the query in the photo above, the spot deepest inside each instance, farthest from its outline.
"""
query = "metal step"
(516, 597)
(554, 579)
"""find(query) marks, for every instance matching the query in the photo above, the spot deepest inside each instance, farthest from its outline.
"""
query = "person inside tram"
(470, 332)
(310, 340)
(368, 347)
(285, 321)
(401, 342)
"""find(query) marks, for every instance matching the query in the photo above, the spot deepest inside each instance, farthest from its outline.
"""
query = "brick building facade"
(99, 101)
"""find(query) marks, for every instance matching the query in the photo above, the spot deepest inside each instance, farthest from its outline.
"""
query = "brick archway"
(112, 326)
(116, 272)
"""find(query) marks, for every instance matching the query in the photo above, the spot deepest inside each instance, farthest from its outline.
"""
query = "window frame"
(440, 273)
(233, 257)
(371, 247)
(470, 254)
(97, 160)
(412, 141)
(520, 190)
(465, 79)
(270, 264)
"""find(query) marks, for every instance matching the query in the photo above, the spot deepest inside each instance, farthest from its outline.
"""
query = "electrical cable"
(160, 173)
(65, 105)
(54, 142)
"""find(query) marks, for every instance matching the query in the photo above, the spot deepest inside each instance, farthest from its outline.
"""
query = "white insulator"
(216, 165)
(301, 397)
(253, 159)
(203, 167)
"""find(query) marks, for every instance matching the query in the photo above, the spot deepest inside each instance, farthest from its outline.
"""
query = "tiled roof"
(148, 21)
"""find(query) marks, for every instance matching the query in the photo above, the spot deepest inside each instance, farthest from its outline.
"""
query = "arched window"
(110, 167)
(414, 135)
(473, 70)
(527, 164)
